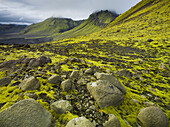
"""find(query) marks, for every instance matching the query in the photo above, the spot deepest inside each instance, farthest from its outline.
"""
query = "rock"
(40, 61)
(60, 107)
(74, 75)
(89, 71)
(135, 101)
(29, 84)
(79, 122)
(163, 66)
(5, 81)
(55, 79)
(153, 117)
(25, 113)
(124, 72)
(67, 85)
(105, 93)
(31, 95)
(112, 122)
(110, 78)
(149, 104)
(150, 40)
(81, 81)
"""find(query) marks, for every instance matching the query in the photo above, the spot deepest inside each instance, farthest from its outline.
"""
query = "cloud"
(38, 10)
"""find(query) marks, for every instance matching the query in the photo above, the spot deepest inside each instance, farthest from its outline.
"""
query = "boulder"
(5, 81)
(74, 75)
(67, 85)
(55, 79)
(25, 113)
(112, 122)
(153, 117)
(89, 71)
(79, 122)
(105, 93)
(125, 73)
(110, 78)
(29, 84)
(40, 61)
(60, 107)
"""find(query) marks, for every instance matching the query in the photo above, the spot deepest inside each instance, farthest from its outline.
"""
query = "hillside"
(49, 27)
(123, 69)
(94, 23)
(6, 30)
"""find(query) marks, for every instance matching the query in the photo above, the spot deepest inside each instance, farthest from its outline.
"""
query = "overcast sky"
(32, 11)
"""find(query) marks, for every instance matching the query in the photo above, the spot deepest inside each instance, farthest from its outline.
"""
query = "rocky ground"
(82, 89)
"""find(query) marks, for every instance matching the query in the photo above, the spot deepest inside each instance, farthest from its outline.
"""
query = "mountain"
(50, 26)
(94, 23)
(8, 29)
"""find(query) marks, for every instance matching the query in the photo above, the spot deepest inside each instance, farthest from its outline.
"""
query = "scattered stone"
(135, 101)
(80, 122)
(163, 66)
(124, 72)
(31, 95)
(60, 107)
(29, 84)
(150, 40)
(149, 104)
(105, 93)
(153, 117)
(112, 122)
(81, 81)
(74, 75)
(40, 61)
(151, 89)
(55, 79)
(110, 78)
(25, 113)
(89, 71)
(5, 81)
(67, 85)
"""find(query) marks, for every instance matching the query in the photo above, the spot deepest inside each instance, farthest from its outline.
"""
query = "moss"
(2, 74)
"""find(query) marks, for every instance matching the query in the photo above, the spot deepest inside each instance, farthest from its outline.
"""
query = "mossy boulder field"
(106, 71)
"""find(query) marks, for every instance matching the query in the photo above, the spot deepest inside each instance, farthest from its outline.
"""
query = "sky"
(33, 11)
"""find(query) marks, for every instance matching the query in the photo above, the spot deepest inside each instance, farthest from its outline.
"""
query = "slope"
(94, 23)
(50, 26)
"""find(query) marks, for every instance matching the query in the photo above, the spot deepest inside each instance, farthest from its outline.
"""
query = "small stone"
(150, 40)
(55, 79)
(89, 71)
(80, 122)
(112, 122)
(66, 85)
(149, 104)
(31, 95)
(74, 75)
(61, 106)
(135, 101)
(163, 66)
(29, 84)
(153, 117)
(93, 107)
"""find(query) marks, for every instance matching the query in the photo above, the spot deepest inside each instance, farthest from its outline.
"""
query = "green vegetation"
(50, 26)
